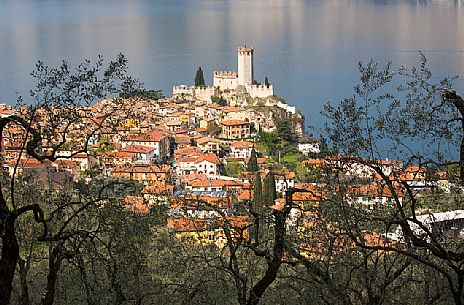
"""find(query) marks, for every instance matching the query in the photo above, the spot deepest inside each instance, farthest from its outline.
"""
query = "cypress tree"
(269, 191)
(266, 82)
(252, 165)
(258, 194)
(199, 79)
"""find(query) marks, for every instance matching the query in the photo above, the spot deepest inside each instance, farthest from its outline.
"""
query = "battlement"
(225, 74)
(200, 93)
(245, 49)
(204, 89)
(261, 87)
(182, 89)
(260, 91)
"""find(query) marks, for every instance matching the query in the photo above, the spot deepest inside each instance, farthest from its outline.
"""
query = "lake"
(308, 49)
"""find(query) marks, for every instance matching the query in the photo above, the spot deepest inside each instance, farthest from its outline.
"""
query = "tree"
(269, 192)
(199, 79)
(145, 94)
(46, 126)
(286, 131)
(406, 116)
(258, 193)
(252, 165)
(266, 82)
(219, 100)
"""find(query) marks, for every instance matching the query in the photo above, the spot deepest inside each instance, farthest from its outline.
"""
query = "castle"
(232, 81)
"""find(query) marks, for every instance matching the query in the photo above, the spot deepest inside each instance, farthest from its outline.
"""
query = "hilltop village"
(208, 144)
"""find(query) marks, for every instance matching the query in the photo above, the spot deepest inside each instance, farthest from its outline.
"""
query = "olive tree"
(409, 116)
(54, 118)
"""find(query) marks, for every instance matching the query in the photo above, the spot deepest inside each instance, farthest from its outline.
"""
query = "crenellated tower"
(245, 66)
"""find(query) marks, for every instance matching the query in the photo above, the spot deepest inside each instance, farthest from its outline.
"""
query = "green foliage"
(199, 78)
(286, 131)
(258, 202)
(219, 100)
(269, 138)
(252, 165)
(233, 169)
(146, 94)
(269, 191)
(105, 145)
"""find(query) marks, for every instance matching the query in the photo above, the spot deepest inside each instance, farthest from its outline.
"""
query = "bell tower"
(245, 66)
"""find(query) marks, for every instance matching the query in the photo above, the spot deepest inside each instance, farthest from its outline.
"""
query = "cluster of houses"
(166, 145)
(177, 150)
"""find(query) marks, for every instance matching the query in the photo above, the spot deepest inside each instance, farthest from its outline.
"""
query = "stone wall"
(260, 91)
(225, 80)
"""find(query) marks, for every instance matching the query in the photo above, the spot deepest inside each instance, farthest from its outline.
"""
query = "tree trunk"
(85, 280)
(274, 264)
(10, 255)
(23, 269)
(54, 264)
(461, 161)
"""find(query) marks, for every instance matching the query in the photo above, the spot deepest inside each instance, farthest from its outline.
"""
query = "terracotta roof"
(155, 136)
(194, 224)
(163, 168)
(234, 122)
(282, 175)
(373, 190)
(191, 177)
(313, 162)
(415, 169)
(231, 109)
(245, 194)
(212, 158)
(120, 154)
(198, 183)
(191, 150)
(138, 149)
(136, 204)
(204, 140)
(242, 144)
(158, 189)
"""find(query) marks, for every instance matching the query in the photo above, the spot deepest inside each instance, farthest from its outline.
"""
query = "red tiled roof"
(194, 224)
(234, 122)
(138, 149)
(242, 144)
(204, 140)
(158, 189)
(147, 137)
(211, 158)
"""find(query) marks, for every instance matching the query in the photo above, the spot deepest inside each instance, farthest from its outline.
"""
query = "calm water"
(307, 49)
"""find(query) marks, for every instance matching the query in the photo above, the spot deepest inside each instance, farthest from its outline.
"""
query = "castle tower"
(245, 66)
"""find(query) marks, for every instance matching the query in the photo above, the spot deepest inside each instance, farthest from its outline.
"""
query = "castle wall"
(183, 90)
(205, 93)
(225, 80)
(260, 91)
(200, 93)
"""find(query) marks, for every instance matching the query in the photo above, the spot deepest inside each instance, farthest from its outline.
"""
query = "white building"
(203, 164)
(241, 149)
